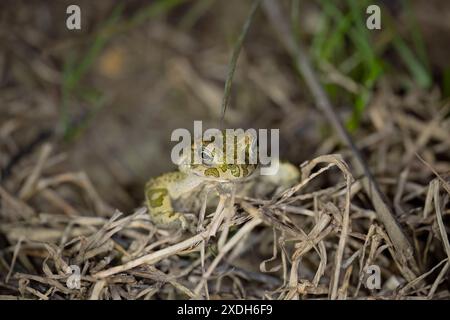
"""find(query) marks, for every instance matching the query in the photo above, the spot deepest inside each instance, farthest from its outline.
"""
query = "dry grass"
(316, 240)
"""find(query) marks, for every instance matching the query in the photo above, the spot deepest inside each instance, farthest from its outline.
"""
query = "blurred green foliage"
(344, 42)
(77, 66)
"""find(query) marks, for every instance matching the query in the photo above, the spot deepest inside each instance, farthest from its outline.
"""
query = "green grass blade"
(418, 71)
(235, 56)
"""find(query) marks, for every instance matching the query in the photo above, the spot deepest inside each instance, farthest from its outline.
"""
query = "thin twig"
(154, 257)
(235, 56)
(404, 250)
(227, 247)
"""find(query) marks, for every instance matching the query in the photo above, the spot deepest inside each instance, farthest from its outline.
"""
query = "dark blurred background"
(109, 95)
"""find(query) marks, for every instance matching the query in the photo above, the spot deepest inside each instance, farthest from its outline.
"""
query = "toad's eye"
(207, 157)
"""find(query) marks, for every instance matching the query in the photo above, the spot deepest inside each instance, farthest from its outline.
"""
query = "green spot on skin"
(156, 197)
(212, 172)
(244, 170)
(235, 171)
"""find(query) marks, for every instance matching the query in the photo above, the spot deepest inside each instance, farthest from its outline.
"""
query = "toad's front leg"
(160, 193)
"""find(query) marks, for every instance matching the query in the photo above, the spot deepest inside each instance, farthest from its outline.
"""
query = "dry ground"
(85, 120)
